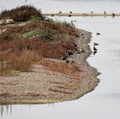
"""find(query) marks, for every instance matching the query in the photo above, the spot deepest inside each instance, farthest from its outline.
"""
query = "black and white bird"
(80, 51)
(95, 51)
(95, 44)
(94, 48)
(63, 58)
(68, 53)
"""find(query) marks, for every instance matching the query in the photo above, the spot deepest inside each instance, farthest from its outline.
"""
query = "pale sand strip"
(81, 14)
(44, 86)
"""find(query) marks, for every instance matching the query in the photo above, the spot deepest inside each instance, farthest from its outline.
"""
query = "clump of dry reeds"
(14, 62)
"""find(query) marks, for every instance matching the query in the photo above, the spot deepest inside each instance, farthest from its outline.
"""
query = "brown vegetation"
(60, 66)
(21, 46)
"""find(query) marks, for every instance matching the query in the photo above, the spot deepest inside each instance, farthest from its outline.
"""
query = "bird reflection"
(5, 108)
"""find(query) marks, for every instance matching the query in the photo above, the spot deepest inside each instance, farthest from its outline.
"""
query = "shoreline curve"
(87, 84)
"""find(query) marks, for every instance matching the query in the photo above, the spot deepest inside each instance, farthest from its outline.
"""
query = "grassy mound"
(24, 44)
(23, 13)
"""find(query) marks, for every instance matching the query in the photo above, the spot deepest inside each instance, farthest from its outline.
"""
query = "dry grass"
(10, 62)
(61, 67)
(22, 46)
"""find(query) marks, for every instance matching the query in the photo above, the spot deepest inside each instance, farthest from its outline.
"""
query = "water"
(104, 101)
(98, 6)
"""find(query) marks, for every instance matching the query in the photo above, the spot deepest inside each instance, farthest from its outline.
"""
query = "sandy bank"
(44, 86)
(83, 14)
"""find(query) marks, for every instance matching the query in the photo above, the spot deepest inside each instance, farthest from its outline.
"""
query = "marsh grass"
(61, 67)
(13, 64)
(22, 46)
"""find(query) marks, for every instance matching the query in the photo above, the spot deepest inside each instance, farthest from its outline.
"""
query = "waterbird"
(82, 34)
(67, 53)
(94, 48)
(69, 15)
(80, 51)
(113, 15)
(75, 44)
(52, 15)
(60, 12)
(63, 58)
(69, 61)
(97, 33)
(105, 13)
(77, 35)
(95, 51)
(95, 44)
(91, 12)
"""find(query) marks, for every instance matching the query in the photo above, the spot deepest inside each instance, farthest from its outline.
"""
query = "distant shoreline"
(83, 14)
(44, 86)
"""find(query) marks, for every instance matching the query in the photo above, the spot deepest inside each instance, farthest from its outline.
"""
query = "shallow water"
(104, 101)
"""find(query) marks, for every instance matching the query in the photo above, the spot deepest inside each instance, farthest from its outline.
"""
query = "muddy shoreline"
(45, 86)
